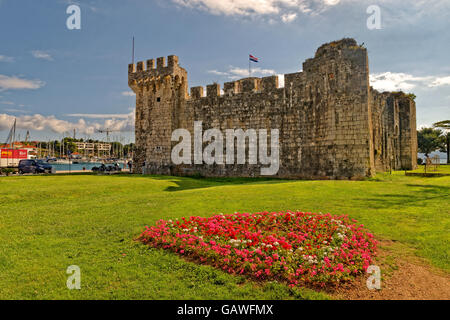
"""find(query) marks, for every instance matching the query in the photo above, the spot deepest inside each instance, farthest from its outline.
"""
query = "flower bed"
(297, 247)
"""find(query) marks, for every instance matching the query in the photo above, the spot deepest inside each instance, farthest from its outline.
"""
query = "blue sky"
(54, 79)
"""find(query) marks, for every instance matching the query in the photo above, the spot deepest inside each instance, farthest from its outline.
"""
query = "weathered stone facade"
(332, 124)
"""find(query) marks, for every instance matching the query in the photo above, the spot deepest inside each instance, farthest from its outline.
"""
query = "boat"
(63, 161)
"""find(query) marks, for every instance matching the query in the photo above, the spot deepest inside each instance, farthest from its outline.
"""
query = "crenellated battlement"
(147, 72)
(148, 67)
(238, 87)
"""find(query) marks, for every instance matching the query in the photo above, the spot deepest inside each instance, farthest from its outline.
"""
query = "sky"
(54, 79)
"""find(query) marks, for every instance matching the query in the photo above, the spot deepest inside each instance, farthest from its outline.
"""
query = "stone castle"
(332, 124)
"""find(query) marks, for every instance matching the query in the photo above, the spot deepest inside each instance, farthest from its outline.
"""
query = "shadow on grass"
(197, 182)
(181, 183)
(424, 193)
(189, 183)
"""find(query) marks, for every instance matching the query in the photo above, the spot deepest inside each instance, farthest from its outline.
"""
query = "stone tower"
(159, 93)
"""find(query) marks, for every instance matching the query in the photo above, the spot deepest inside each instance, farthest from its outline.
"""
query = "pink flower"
(271, 244)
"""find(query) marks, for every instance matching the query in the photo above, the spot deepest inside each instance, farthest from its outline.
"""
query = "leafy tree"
(72, 147)
(445, 138)
(429, 140)
(128, 149)
(411, 96)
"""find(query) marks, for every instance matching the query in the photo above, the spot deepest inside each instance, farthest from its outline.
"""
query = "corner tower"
(160, 95)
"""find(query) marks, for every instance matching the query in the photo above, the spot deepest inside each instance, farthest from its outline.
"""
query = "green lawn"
(439, 169)
(48, 223)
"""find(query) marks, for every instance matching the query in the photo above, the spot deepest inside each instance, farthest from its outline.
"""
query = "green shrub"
(7, 171)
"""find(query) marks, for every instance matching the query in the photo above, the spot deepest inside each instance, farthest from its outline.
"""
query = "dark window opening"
(158, 99)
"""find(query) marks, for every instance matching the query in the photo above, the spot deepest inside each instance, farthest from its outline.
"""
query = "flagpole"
(249, 67)
(14, 140)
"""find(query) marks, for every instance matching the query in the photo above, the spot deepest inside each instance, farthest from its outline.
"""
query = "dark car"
(34, 166)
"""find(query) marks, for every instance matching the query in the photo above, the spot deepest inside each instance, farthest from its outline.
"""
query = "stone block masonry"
(332, 124)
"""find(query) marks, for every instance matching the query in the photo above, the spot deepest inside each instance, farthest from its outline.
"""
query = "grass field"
(439, 169)
(48, 223)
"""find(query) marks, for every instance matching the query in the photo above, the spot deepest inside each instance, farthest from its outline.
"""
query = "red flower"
(298, 247)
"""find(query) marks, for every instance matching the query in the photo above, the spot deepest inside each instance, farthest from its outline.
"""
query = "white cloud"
(443, 81)
(15, 83)
(286, 9)
(98, 116)
(412, 11)
(219, 73)
(391, 81)
(42, 55)
(6, 59)
(331, 2)
(40, 123)
(128, 93)
(288, 17)
(236, 73)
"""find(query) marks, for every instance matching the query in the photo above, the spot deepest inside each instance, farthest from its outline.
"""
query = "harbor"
(81, 167)
(68, 155)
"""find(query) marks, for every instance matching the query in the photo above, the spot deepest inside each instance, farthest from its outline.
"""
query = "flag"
(253, 58)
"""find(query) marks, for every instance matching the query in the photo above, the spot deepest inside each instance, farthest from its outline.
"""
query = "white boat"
(62, 161)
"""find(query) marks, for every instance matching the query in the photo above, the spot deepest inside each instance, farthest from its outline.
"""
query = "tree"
(429, 140)
(128, 149)
(411, 96)
(445, 125)
(72, 147)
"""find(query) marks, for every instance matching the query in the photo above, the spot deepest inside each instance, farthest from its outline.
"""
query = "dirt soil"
(410, 279)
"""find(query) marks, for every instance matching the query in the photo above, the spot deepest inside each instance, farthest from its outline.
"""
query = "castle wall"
(394, 131)
(332, 126)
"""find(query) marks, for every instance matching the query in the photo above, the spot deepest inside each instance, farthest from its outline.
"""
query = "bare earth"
(413, 280)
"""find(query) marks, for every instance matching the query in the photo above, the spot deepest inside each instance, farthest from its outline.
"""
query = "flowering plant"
(297, 247)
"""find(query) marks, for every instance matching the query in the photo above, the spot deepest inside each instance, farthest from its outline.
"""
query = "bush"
(297, 247)
(419, 161)
(7, 171)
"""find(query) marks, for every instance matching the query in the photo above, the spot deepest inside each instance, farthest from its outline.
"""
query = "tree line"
(436, 138)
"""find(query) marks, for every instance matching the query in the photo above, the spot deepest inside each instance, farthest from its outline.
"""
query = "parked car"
(34, 166)
(111, 168)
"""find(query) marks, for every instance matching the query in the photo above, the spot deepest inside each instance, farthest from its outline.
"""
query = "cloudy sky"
(54, 80)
